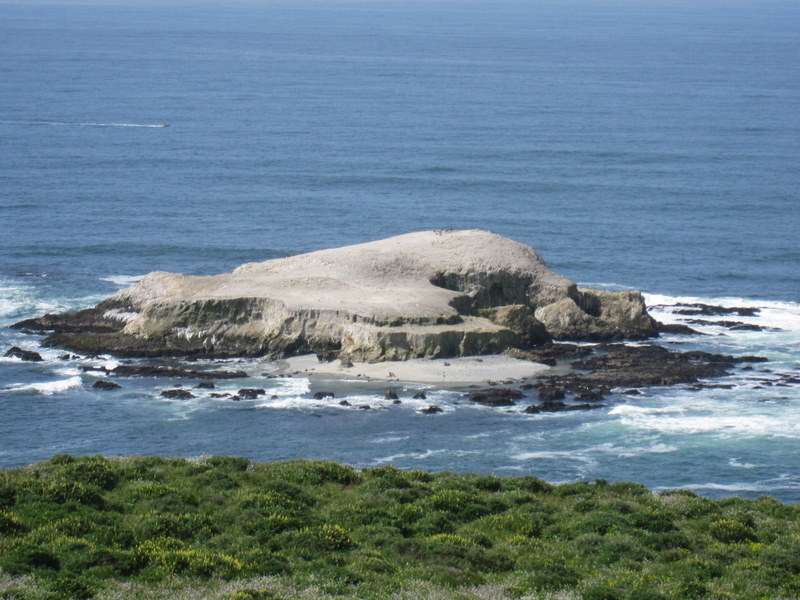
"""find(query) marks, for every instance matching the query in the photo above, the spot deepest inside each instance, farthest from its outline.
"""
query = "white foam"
(68, 372)
(409, 455)
(49, 388)
(123, 280)
(568, 455)
(771, 314)
(389, 439)
(727, 421)
(733, 462)
(291, 386)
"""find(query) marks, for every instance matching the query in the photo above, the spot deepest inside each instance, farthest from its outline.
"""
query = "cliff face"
(428, 294)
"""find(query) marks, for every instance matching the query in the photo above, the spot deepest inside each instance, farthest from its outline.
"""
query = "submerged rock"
(28, 355)
(102, 384)
(422, 295)
(178, 394)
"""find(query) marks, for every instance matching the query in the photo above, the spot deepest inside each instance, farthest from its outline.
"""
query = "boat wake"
(86, 124)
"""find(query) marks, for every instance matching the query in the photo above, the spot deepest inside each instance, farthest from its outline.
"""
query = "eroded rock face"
(431, 294)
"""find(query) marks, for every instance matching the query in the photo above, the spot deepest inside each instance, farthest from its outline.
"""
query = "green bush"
(730, 532)
(9, 524)
(26, 558)
(93, 471)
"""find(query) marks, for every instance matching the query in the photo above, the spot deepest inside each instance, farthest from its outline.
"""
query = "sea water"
(651, 146)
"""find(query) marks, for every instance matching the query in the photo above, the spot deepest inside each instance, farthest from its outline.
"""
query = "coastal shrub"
(271, 525)
(730, 532)
(259, 561)
(166, 526)
(381, 479)
(173, 557)
(314, 472)
(182, 526)
(228, 463)
(326, 537)
(8, 495)
(27, 558)
(9, 524)
(627, 488)
(462, 505)
(62, 492)
(652, 521)
(546, 573)
(93, 471)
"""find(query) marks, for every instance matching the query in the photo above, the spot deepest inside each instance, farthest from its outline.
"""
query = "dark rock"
(496, 396)
(323, 395)
(590, 396)
(549, 393)
(633, 392)
(163, 371)
(177, 394)
(559, 407)
(102, 384)
(420, 396)
(90, 321)
(431, 410)
(68, 357)
(617, 365)
(365, 407)
(710, 310)
(28, 355)
(746, 327)
(220, 395)
(344, 403)
(677, 329)
(390, 395)
(732, 325)
(550, 354)
(205, 385)
(250, 393)
(397, 401)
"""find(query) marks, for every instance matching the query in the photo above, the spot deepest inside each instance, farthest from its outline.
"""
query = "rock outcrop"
(429, 294)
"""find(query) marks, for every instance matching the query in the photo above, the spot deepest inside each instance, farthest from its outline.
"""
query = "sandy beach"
(465, 370)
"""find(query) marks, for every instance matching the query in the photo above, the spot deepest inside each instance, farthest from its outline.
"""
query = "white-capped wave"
(560, 455)
(291, 386)
(722, 421)
(49, 388)
(409, 455)
(771, 313)
(389, 439)
(734, 462)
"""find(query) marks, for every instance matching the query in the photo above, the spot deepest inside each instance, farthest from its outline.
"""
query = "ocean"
(636, 145)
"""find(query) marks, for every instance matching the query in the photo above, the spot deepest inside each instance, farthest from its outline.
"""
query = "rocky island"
(431, 294)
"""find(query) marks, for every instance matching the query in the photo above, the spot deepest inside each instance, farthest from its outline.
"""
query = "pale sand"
(465, 370)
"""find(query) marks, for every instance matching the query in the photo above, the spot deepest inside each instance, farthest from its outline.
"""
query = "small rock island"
(431, 294)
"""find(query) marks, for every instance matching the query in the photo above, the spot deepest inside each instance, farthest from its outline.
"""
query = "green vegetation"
(230, 529)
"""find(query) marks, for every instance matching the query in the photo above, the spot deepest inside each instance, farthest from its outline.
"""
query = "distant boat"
(165, 124)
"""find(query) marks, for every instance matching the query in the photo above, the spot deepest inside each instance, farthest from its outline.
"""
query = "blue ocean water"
(653, 146)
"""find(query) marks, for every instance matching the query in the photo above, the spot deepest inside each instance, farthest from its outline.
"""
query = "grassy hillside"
(228, 528)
